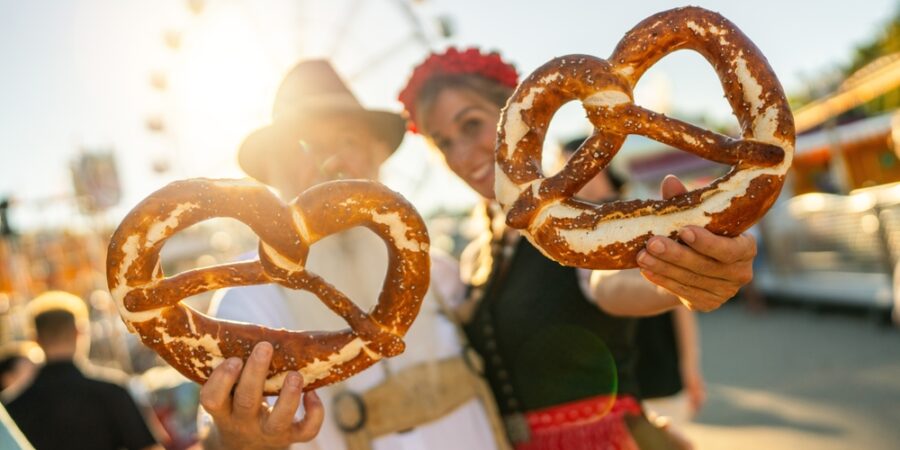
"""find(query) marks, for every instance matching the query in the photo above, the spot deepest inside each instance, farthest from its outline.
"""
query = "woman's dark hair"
(7, 365)
(12, 355)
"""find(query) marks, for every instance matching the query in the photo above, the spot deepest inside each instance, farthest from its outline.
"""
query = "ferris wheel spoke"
(340, 37)
(383, 56)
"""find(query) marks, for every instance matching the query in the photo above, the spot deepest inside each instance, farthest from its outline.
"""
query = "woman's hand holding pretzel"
(704, 270)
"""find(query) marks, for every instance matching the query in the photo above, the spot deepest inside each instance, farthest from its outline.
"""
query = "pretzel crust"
(609, 236)
(194, 344)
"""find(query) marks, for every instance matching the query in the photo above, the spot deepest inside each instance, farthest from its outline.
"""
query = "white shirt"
(355, 262)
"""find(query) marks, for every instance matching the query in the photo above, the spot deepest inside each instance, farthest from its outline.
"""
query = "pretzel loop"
(609, 236)
(193, 343)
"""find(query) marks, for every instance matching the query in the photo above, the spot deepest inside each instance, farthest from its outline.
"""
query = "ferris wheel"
(226, 58)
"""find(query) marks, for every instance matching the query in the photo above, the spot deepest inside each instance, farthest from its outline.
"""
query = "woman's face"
(463, 126)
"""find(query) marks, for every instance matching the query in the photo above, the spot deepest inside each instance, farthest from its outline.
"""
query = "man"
(68, 404)
(320, 132)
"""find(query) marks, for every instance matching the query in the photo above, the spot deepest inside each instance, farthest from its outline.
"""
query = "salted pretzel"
(194, 344)
(610, 235)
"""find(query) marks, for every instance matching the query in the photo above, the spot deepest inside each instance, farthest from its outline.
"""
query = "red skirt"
(596, 423)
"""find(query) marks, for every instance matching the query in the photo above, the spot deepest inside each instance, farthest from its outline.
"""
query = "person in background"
(558, 354)
(18, 363)
(670, 377)
(70, 404)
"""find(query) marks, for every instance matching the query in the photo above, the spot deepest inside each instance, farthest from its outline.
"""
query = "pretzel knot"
(610, 235)
(150, 303)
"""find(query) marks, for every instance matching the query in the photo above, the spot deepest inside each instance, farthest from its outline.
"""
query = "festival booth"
(835, 236)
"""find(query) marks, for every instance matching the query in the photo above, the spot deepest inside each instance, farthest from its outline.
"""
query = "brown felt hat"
(312, 89)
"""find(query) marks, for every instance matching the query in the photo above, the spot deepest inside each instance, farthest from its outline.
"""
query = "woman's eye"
(471, 126)
(443, 145)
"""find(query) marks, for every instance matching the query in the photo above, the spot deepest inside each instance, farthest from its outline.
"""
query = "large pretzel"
(610, 235)
(150, 303)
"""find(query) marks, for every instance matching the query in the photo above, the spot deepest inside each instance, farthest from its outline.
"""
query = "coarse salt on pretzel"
(194, 344)
(609, 236)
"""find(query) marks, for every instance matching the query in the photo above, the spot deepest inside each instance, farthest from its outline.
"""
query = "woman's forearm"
(687, 337)
(626, 293)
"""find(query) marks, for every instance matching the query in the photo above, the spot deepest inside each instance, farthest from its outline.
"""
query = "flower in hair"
(453, 62)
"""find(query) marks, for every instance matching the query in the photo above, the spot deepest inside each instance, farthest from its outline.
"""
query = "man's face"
(331, 148)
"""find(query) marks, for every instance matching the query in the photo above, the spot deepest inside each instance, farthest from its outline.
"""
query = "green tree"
(884, 43)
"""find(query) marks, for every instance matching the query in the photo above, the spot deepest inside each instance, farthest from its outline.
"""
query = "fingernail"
(644, 259)
(262, 351)
(292, 380)
(313, 396)
(687, 235)
(656, 246)
(233, 364)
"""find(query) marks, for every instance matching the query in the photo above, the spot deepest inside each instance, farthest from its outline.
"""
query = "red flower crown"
(452, 62)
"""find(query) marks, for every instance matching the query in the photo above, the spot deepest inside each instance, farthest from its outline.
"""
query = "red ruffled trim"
(592, 424)
(453, 61)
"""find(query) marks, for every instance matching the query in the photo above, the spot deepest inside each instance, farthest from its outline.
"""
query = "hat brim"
(261, 150)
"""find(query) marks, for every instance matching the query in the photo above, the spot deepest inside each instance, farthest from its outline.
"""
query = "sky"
(76, 75)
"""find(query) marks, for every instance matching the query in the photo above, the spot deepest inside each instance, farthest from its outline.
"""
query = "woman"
(558, 353)
(668, 370)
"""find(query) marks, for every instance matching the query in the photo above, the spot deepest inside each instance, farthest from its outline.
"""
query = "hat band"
(336, 102)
